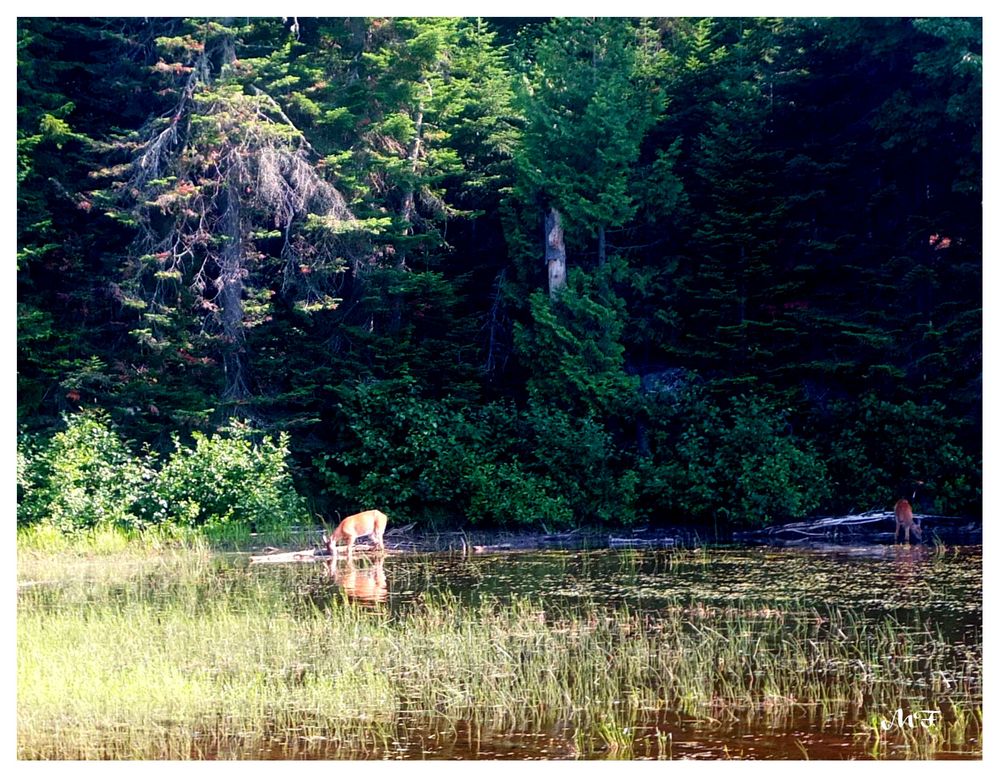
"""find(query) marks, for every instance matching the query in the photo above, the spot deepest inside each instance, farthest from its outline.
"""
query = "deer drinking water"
(357, 526)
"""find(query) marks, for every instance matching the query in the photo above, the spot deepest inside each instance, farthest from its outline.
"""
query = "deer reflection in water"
(366, 584)
(908, 567)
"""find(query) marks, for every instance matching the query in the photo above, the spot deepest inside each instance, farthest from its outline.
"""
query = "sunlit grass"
(44, 539)
(50, 544)
(176, 657)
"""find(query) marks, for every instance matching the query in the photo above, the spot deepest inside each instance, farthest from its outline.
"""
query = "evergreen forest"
(502, 273)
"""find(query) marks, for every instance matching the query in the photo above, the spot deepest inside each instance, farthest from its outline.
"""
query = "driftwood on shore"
(631, 542)
(274, 556)
(871, 523)
(870, 527)
(306, 555)
(284, 557)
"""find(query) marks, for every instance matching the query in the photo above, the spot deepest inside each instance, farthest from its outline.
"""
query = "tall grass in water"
(188, 662)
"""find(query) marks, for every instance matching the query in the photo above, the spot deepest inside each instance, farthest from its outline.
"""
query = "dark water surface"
(903, 581)
(910, 585)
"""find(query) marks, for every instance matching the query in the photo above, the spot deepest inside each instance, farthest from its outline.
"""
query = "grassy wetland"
(584, 280)
(182, 653)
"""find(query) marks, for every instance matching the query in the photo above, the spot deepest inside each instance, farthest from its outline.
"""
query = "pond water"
(898, 580)
(902, 583)
(803, 603)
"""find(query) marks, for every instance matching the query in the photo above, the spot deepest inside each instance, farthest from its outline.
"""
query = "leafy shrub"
(579, 455)
(572, 347)
(85, 477)
(425, 460)
(82, 477)
(401, 453)
(504, 493)
(881, 444)
(224, 478)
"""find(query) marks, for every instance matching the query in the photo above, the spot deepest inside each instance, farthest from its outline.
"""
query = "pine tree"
(76, 79)
(215, 183)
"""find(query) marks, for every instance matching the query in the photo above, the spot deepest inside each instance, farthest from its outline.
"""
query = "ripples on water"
(877, 579)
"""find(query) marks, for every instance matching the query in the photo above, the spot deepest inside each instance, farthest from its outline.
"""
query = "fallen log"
(870, 523)
(284, 557)
(306, 555)
(614, 542)
(497, 547)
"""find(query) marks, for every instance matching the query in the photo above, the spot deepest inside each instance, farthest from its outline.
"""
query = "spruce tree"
(220, 188)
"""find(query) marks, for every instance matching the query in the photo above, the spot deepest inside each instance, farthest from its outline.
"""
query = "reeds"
(194, 659)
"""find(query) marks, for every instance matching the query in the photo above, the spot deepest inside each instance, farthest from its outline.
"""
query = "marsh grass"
(45, 540)
(180, 657)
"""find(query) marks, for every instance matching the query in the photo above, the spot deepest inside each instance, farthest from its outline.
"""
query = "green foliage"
(738, 465)
(588, 99)
(431, 461)
(507, 494)
(226, 478)
(881, 444)
(333, 226)
(579, 454)
(82, 477)
(405, 453)
(85, 477)
(572, 347)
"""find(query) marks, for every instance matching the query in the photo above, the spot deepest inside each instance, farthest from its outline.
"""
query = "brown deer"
(357, 526)
(904, 516)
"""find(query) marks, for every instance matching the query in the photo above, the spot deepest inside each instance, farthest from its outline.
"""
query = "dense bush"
(224, 478)
(880, 444)
(571, 347)
(436, 462)
(399, 452)
(736, 465)
(581, 456)
(439, 463)
(730, 464)
(507, 494)
(85, 476)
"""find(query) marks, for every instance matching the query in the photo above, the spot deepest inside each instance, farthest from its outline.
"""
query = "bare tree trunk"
(555, 252)
(602, 253)
(409, 201)
(231, 273)
(409, 214)
(494, 326)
